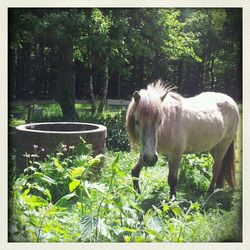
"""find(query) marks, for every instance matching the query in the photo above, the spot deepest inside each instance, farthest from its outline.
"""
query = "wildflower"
(26, 155)
(35, 156)
(42, 149)
(35, 146)
(64, 148)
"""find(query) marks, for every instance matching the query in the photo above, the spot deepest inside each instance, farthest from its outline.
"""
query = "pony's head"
(144, 119)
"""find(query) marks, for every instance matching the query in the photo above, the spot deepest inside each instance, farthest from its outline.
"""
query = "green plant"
(59, 201)
(195, 172)
(117, 139)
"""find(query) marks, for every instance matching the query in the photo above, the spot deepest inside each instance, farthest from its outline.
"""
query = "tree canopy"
(64, 54)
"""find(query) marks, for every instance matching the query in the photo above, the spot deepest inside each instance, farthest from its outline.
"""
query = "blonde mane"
(160, 87)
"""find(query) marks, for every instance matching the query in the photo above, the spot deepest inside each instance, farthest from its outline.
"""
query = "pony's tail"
(228, 167)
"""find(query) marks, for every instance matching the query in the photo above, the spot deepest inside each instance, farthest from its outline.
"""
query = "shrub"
(195, 171)
(117, 139)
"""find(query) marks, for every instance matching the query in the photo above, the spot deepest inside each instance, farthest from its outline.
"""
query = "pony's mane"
(160, 87)
(149, 106)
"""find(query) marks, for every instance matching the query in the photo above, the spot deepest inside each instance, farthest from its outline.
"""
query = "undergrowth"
(73, 196)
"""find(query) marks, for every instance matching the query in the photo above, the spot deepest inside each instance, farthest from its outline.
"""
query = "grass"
(107, 209)
(125, 216)
(52, 112)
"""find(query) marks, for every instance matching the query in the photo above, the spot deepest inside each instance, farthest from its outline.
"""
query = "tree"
(112, 52)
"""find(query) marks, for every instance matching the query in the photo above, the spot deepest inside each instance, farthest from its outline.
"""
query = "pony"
(160, 120)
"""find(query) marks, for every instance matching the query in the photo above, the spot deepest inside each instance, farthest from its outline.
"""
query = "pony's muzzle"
(150, 160)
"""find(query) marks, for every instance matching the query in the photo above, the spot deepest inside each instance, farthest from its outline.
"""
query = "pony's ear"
(136, 96)
(163, 96)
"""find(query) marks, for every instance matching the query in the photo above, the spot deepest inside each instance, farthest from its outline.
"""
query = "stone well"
(50, 134)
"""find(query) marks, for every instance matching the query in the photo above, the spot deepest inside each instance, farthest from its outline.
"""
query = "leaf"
(34, 201)
(87, 226)
(86, 190)
(154, 223)
(26, 191)
(43, 177)
(115, 165)
(177, 211)
(127, 238)
(118, 204)
(165, 207)
(46, 191)
(127, 229)
(139, 239)
(195, 206)
(52, 211)
(94, 161)
(171, 227)
(135, 206)
(96, 186)
(64, 201)
(103, 229)
(76, 172)
(154, 234)
(73, 185)
(57, 164)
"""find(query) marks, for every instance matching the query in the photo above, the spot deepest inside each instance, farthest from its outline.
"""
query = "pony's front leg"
(135, 175)
(172, 176)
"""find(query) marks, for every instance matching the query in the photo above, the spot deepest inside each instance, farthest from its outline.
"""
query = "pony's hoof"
(172, 198)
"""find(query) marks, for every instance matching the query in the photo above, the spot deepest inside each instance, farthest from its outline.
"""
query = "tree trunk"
(211, 69)
(91, 87)
(65, 92)
(118, 95)
(20, 74)
(12, 75)
(105, 88)
(53, 61)
(155, 68)
(27, 73)
(141, 72)
(203, 68)
(180, 68)
(38, 73)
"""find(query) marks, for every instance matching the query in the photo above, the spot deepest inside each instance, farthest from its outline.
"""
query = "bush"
(195, 172)
(117, 139)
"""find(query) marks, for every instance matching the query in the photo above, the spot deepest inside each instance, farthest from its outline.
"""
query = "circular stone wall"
(49, 135)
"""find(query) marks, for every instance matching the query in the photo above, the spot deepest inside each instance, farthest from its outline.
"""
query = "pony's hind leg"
(218, 153)
(135, 173)
(216, 176)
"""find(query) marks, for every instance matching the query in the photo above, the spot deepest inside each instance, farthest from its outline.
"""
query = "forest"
(83, 65)
(95, 54)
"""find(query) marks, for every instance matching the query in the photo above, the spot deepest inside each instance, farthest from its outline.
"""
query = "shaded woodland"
(95, 54)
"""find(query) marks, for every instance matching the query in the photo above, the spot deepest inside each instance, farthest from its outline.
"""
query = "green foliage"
(177, 42)
(196, 171)
(117, 138)
(57, 201)
(195, 49)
